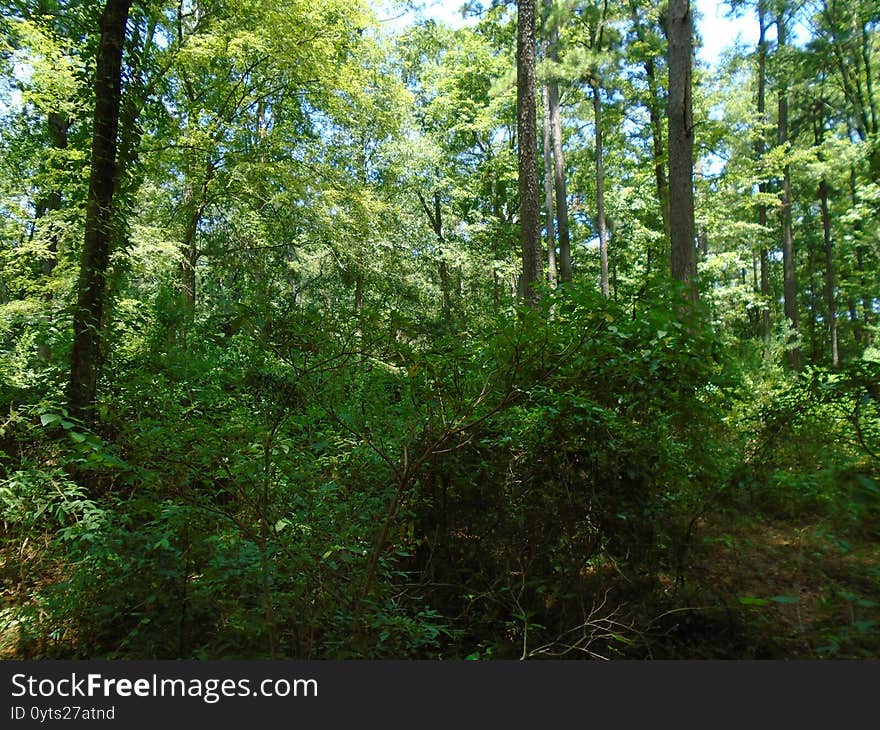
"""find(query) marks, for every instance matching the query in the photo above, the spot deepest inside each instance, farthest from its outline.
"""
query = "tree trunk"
(760, 149)
(655, 112)
(435, 218)
(560, 185)
(660, 178)
(809, 299)
(359, 290)
(58, 126)
(830, 279)
(866, 300)
(91, 289)
(854, 319)
(861, 334)
(549, 226)
(789, 280)
(612, 252)
(530, 197)
(194, 204)
(292, 261)
(600, 190)
(681, 146)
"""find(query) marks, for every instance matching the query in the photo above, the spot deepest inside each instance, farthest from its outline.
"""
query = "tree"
(549, 225)
(547, 149)
(527, 142)
(595, 43)
(554, 119)
(760, 149)
(681, 145)
(92, 286)
(647, 48)
(845, 36)
(788, 263)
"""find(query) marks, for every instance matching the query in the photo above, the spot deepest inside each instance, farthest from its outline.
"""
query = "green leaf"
(784, 599)
(753, 601)
(78, 437)
(47, 419)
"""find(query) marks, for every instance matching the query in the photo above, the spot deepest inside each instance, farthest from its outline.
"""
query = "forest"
(329, 331)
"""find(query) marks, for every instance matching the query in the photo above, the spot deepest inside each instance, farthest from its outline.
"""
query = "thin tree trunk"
(435, 218)
(359, 290)
(530, 197)
(761, 148)
(445, 288)
(58, 126)
(866, 300)
(789, 287)
(91, 289)
(855, 321)
(195, 203)
(655, 113)
(861, 336)
(560, 185)
(612, 252)
(702, 235)
(830, 279)
(600, 190)
(292, 261)
(659, 147)
(810, 295)
(444, 269)
(681, 146)
(550, 228)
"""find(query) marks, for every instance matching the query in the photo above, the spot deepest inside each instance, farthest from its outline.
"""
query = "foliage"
(327, 427)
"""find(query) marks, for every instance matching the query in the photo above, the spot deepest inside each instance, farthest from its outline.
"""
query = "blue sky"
(716, 28)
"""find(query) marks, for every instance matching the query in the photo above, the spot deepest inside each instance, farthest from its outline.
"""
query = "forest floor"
(755, 588)
(788, 590)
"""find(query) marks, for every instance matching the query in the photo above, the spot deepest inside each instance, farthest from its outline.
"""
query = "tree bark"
(560, 185)
(866, 299)
(760, 149)
(789, 280)
(92, 289)
(830, 278)
(530, 198)
(681, 146)
(58, 125)
(549, 226)
(600, 190)
(194, 205)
